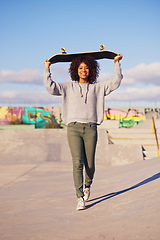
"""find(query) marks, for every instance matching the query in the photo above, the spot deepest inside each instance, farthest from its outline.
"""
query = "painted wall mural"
(38, 116)
(129, 119)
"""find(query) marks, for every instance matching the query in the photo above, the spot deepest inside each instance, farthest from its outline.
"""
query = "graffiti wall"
(38, 116)
(114, 114)
(126, 119)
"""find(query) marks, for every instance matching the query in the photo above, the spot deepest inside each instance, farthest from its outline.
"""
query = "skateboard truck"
(63, 50)
(102, 47)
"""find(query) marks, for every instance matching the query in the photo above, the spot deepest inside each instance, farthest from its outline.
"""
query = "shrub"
(52, 125)
(16, 122)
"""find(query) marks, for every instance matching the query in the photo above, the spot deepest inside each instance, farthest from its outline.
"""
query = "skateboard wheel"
(102, 46)
(63, 50)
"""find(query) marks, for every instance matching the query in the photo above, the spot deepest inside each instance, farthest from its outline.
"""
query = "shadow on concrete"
(114, 194)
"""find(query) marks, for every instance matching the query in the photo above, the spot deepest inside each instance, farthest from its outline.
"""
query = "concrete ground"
(37, 202)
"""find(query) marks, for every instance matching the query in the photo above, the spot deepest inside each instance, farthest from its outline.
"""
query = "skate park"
(37, 194)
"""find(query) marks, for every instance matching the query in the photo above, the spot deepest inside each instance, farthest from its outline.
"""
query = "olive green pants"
(82, 139)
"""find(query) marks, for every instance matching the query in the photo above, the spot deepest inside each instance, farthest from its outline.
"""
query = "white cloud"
(60, 73)
(23, 76)
(129, 94)
(144, 74)
(29, 76)
(43, 97)
(60, 69)
(27, 97)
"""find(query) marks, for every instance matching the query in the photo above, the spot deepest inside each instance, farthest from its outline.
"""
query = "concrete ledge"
(34, 146)
(50, 145)
(124, 154)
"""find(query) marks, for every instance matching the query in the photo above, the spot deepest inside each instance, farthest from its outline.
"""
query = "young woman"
(83, 110)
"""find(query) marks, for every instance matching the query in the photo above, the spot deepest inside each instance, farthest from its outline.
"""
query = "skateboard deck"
(68, 57)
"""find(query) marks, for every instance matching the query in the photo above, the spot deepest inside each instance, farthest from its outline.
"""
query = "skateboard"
(68, 57)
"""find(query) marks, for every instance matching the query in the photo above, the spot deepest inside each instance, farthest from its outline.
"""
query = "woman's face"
(83, 72)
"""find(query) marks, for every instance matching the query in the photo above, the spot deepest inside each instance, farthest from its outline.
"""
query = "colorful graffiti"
(38, 116)
(129, 119)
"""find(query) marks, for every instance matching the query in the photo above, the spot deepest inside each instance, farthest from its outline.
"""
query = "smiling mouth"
(83, 73)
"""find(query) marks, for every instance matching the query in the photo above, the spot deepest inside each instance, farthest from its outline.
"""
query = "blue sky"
(32, 31)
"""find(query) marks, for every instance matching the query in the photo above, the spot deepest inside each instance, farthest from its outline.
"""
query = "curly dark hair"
(92, 65)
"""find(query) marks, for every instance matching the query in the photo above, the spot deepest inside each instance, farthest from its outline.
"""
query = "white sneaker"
(86, 193)
(81, 204)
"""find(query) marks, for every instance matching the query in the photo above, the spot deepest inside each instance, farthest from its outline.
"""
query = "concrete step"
(149, 151)
(140, 134)
(133, 135)
(132, 131)
(149, 147)
(129, 130)
(149, 154)
(143, 137)
(140, 141)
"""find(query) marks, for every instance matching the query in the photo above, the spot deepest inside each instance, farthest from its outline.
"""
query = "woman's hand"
(47, 64)
(118, 58)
